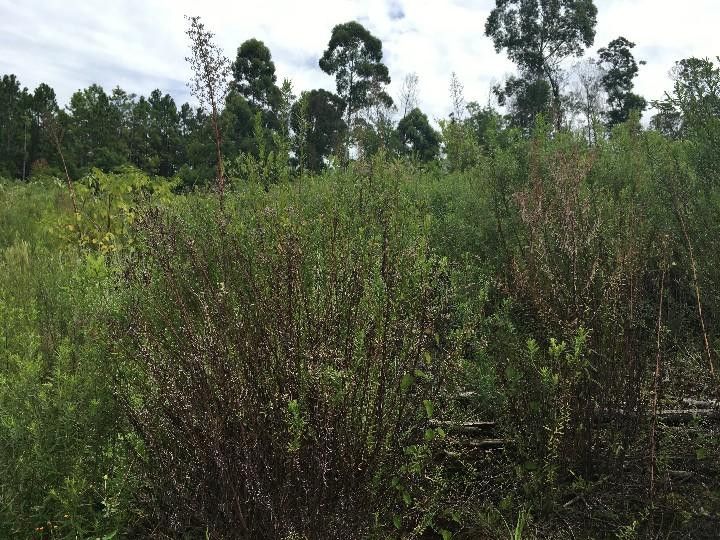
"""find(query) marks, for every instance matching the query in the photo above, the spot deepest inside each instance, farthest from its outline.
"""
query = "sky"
(141, 45)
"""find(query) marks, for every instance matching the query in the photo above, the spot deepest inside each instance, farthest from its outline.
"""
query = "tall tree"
(139, 125)
(93, 130)
(197, 146)
(124, 104)
(164, 133)
(620, 69)
(354, 57)
(238, 123)
(14, 123)
(44, 102)
(484, 123)
(409, 93)
(317, 121)
(587, 97)
(254, 75)
(524, 98)
(417, 137)
(211, 71)
(539, 34)
(693, 108)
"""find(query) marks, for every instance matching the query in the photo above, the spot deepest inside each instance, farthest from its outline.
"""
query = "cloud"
(141, 45)
(395, 10)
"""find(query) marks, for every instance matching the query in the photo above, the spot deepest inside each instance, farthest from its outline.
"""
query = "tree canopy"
(417, 137)
(620, 69)
(539, 34)
(354, 57)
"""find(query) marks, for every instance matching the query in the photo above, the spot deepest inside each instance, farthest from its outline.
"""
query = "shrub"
(281, 358)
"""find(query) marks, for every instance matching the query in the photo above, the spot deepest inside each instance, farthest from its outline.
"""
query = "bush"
(282, 355)
(64, 469)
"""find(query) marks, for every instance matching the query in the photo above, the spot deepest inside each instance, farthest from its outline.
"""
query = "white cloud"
(141, 45)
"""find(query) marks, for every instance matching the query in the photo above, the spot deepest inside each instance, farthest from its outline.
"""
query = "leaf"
(397, 521)
(446, 535)
(406, 382)
(429, 407)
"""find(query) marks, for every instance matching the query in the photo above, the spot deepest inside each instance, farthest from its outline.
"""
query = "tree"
(254, 76)
(210, 82)
(417, 137)
(93, 131)
(140, 150)
(197, 146)
(694, 109)
(354, 57)
(164, 133)
(409, 93)
(524, 98)
(587, 97)
(14, 119)
(238, 121)
(484, 122)
(457, 98)
(41, 151)
(620, 69)
(317, 121)
(539, 34)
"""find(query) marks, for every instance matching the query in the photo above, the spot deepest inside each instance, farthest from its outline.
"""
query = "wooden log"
(683, 416)
(464, 428)
(701, 404)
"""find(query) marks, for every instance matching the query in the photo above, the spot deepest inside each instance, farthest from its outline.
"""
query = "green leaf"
(406, 382)
(429, 408)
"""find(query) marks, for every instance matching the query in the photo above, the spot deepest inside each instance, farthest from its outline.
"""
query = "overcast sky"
(140, 44)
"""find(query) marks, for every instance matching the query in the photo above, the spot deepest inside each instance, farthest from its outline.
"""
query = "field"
(523, 346)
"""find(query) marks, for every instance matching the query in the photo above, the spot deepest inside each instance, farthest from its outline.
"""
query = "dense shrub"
(281, 357)
(63, 464)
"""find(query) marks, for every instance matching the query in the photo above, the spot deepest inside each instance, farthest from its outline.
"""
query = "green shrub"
(282, 356)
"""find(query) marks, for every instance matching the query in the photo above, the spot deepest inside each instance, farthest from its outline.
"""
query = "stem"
(52, 128)
(697, 292)
(656, 389)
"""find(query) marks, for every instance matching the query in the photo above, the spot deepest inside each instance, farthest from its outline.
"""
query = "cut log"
(683, 416)
(701, 404)
(464, 428)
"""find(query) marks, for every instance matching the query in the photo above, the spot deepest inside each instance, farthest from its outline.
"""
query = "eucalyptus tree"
(417, 137)
(354, 57)
(620, 69)
(319, 128)
(254, 76)
(539, 34)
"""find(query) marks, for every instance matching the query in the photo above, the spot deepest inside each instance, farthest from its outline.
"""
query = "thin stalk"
(693, 266)
(656, 388)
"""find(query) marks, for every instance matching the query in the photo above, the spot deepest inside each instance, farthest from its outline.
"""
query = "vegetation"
(230, 324)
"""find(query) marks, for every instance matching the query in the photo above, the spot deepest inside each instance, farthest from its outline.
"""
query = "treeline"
(260, 118)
